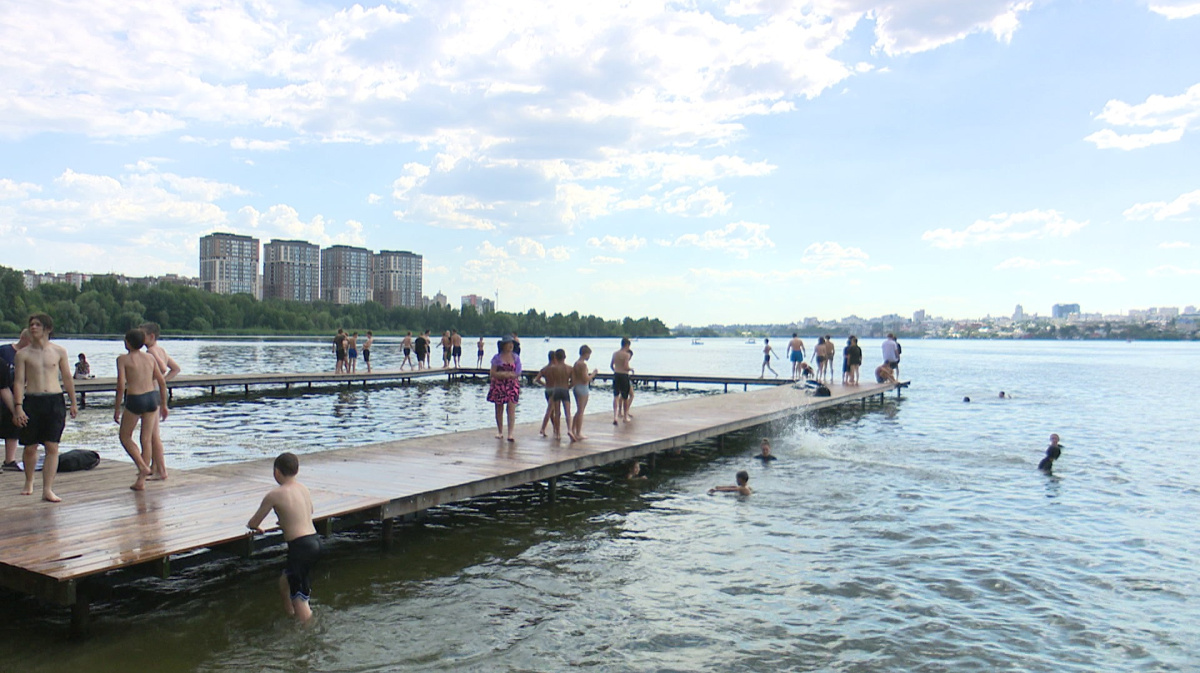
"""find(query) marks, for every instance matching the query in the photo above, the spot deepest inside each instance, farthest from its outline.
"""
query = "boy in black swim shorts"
(294, 509)
(42, 371)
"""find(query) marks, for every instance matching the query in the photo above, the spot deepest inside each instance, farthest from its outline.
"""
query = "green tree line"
(105, 306)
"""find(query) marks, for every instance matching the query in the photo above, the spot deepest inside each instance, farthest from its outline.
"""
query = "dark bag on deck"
(822, 391)
(78, 460)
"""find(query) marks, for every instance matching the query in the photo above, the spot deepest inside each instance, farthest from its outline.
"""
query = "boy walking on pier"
(170, 369)
(142, 392)
(294, 509)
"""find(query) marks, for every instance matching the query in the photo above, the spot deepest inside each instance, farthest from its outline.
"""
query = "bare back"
(620, 361)
(558, 375)
(580, 373)
(293, 505)
(138, 369)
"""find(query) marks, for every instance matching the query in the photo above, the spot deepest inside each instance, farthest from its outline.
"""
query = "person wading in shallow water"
(1052, 453)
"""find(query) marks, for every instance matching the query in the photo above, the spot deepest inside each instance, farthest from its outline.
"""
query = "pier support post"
(553, 484)
(652, 460)
(721, 442)
(388, 533)
(83, 400)
(81, 611)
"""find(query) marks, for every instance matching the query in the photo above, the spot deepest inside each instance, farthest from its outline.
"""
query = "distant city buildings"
(345, 275)
(1019, 313)
(481, 304)
(1063, 311)
(919, 316)
(396, 278)
(291, 271)
(229, 264)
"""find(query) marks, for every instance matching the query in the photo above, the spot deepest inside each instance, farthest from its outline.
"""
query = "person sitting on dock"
(764, 448)
(1052, 454)
(742, 487)
(293, 507)
(884, 374)
(141, 396)
(83, 370)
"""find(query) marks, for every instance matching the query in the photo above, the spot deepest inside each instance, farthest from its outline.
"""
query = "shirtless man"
(406, 348)
(558, 383)
(421, 349)
(622, 384)
(339, 351)
(581, 380)
(9, 431)
(795, 353)
(456, 347)
(479, 353)
(830, 351)
(170, 369)
(42, 371)
(447, 349)
(142, 393)
(294, 509)
(367, 350)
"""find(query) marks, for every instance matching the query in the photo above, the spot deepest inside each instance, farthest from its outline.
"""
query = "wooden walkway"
(53, 551)
(287, 380)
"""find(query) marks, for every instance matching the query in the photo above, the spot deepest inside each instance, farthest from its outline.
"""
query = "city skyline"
(719, 162)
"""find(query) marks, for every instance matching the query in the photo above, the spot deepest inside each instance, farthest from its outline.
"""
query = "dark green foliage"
(104, 306)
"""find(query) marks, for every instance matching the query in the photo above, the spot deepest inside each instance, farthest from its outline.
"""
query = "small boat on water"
(697, 342)
(751, 341)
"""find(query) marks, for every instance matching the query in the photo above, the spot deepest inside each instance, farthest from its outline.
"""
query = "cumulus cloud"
(11, 189)
(617, 243)
(1174, 245)
(1177, 209)
(603, 260)
(284, 221)
(738, 238)
(1157, 120)
(1171, 271)
(1175, 9)
(1028, 225)
(704, 202)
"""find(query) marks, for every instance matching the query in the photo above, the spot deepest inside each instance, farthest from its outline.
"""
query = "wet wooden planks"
(103, 526)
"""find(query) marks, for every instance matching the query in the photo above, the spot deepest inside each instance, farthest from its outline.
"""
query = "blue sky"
(750, 161)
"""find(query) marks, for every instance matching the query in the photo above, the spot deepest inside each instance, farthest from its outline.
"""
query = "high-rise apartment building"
(229, 264)
(1063, 310)
(482, 304)
(291, 270)
(396, 278)
(345, 274)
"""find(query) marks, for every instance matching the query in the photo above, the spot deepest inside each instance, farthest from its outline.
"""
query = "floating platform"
(64, 553)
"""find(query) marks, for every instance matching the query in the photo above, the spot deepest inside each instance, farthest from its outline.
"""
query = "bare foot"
(499, 436)
(572, 436)
(27, 491)
(139, 485)
(49, 496)
(580, 438)
(614, 421)
(542, 433)
(628, 418)
(511, 439)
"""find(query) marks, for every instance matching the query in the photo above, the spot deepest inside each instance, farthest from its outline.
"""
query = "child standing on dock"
(138, 399)
(294, 509)
(581, 380)
(170, 369)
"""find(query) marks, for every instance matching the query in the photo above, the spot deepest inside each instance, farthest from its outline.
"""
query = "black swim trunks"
(622, 386)
(303, 553)
(47, 414)
(143, 403)
(457, 352)
(366, 355)
(558, 394)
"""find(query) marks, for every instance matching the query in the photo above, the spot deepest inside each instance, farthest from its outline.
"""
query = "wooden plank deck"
(101, 526)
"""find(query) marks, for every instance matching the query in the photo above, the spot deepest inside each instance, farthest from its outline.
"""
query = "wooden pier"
(69, 553)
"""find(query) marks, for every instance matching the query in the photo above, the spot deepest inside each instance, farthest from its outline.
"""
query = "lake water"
(913, 536)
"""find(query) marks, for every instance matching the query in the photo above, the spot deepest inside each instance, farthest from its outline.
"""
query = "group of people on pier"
(823, 356)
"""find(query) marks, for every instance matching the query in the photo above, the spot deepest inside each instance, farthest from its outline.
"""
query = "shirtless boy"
(406, 345)
(622, 384)
(581, 380)
(294, 509)
(883, 374)
(742, 487)
(170, 369)
(767, 353)
(540, 377)
(795, 353)
(8, 429)
(456, 347)
(558, 393)
(142, 393)
(479, 353)
(447, 349)
(38, 404)
(367, 350)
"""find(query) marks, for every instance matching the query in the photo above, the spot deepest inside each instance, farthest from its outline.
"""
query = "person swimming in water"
(1052, 453)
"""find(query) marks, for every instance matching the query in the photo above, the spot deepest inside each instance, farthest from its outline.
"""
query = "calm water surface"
(916, 536)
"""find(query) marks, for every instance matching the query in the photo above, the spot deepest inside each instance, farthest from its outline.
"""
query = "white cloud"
(530, 249)
(259, 145)
(704, 202)
(1163, 210)
(1099, 276)
(284, 221)
(1031, 224)
(10, 189)
(1170, 271)
(738, 238)
(603, 260)
(1175, 245)
(1176, 9)
(1168, 117)
(618, 244)
(910, 27)
(374, 198)
(1026, 264)
(413, 175)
